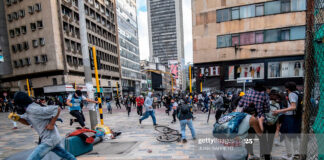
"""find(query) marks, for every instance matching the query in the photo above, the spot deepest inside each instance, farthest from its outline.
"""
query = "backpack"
(228, 125)
(271, 119)
(183, 110)
(299, 105)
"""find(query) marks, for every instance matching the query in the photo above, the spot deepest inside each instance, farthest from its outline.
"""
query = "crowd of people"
(265, 112)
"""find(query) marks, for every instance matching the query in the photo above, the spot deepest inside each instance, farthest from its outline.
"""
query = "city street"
(134, 143)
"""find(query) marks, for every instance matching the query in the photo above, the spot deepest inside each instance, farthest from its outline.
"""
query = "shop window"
(271, 35)
(223, 15)
(247, 38)
(235, 13)
(259, 37)
(235, 40)
(273, 7)
(297, 33)
(224, 41)
(284, 35)
(259, 10)
(247, 11)
(298, 5)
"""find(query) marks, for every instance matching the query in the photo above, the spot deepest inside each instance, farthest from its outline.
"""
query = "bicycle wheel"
(168, 138)
(164, 129)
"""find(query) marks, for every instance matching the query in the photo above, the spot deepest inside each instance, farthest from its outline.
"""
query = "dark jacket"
(184, 112)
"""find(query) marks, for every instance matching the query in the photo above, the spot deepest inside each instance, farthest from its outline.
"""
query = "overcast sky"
(143, 29)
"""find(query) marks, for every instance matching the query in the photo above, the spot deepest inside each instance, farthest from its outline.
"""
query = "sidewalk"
(134, 142)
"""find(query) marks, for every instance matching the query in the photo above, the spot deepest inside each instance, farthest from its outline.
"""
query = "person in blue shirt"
(75, 101)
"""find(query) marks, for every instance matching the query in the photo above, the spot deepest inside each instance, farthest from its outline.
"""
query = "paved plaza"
(135, 142)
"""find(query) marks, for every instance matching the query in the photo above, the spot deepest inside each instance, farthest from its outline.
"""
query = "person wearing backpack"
(74, 101)
(185, 117)
(231, 132)
(291, 120)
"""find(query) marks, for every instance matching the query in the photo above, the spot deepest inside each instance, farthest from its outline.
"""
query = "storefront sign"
(210, 71)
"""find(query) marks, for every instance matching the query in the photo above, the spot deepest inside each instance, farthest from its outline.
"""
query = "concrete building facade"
(45, 47)
(261, 39)
(128, 46)
(5, 62)
(166, 33)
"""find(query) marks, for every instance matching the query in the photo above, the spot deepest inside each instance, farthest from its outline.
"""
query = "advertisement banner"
(255, 70)
(173, 65)
(286, 69)
(1, 58)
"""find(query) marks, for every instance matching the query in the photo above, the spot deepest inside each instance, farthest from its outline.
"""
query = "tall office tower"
(128, 46)
(5, 63)
(166, 34)
(45, 46)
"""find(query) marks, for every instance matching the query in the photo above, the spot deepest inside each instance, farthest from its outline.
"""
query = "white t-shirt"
(293, 98)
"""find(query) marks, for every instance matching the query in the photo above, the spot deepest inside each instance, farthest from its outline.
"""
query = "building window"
(31, 9)
(271, 35)
(21, 63)
(235, 40)
(285, 6)
(298, 5)
(8, 2)
(42, 41)
(247, 38)
(26, 45)
(54, 81)
(69, 59)
(224, 41)
(15, 15)
(235, 13)
(19, 47)
(284, 35)
(223, 15)
(247, 11)
(9, 17)
(259, 37)
(12, 33)
(14, 48)
(44, 58)
(27, 61)
(23, 29)
(16, 64)
(80, 61)
(39, 24)
(273, 7)
(259, 10)
(297, 33)
(38, 7)
(35, 43)
(33, 26)
(17, 30)
(36, 59)
(21, 13)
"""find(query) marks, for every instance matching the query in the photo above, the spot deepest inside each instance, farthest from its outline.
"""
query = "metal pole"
(309, 78)
(86, 63)
(27, 82)
(244, 86)
(201, 86)
(97, 82)
(190, 86)
(172, 85)
(117, 89)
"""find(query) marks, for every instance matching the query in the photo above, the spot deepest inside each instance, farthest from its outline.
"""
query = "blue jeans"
(147, 114)
(183, 124)
(41, 150)
(108, 106)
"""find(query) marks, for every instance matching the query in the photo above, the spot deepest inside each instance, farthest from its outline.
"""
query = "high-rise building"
(165, 26)
(128, 46)
(5, 63)
(260, 40)
(45, 46)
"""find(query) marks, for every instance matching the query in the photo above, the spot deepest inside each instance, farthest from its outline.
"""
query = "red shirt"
(139, 101)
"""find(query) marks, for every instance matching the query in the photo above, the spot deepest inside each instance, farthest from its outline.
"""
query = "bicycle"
(167, 134)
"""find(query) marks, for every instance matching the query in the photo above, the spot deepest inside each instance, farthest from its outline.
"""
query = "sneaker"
(154, 124)
(184, 141)
(140, 121)
(71, 122)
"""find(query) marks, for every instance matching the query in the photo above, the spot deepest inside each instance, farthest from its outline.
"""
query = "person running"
(149, 111)
(185, 118)
(117, 102)
(140, 102)
(174, 108)
(74, 101)
(128, 104)
(43, 121)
